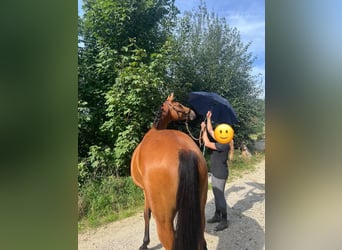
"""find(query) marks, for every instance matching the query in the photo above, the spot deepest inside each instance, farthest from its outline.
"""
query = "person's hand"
(202, 126)
(209, 114)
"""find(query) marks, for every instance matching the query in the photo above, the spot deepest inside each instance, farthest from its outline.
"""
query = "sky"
(248, 16)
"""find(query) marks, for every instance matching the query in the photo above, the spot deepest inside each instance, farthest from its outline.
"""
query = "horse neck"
(163, 122)
(162, 119)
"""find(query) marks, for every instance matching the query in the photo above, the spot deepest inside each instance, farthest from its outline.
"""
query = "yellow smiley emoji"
(223, 133)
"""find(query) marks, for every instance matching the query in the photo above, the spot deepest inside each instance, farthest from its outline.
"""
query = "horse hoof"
(143, 248)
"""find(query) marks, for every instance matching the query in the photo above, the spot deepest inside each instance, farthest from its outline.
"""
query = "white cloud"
(252, 29)
(187, 5)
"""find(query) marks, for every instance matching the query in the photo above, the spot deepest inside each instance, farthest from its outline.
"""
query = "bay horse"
(171, 170)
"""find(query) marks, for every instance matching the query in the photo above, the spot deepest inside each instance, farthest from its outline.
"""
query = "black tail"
(188, 228)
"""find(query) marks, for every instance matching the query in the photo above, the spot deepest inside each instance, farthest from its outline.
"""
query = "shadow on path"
(243, 233)
(159, 246)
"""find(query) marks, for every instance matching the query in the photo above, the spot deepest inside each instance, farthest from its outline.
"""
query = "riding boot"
(223, 223)
(215, 218)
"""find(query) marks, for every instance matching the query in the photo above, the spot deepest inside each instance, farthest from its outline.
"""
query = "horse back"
(158, 153)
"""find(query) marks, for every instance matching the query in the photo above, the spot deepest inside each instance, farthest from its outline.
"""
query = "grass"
(117, 198)
(241, 166)
(107, 201)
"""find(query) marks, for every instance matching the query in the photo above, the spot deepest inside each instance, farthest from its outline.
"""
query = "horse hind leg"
(147, 217)
(166, 233)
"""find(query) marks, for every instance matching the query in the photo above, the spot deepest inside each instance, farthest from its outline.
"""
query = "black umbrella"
(222, 111)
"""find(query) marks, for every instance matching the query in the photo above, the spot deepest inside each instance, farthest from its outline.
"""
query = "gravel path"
(246, 215)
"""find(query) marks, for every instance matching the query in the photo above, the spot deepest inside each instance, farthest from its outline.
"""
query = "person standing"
(219, 171)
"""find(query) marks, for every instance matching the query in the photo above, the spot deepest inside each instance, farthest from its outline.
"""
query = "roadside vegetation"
(117, 198)
(111, 199)
(240, 166)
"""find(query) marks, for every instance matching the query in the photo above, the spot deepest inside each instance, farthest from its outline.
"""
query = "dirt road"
(246, 215)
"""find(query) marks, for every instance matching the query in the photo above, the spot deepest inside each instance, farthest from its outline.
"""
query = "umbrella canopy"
(222, 111)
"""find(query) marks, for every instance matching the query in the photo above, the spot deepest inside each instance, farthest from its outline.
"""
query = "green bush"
(108, 199)
(239, 166)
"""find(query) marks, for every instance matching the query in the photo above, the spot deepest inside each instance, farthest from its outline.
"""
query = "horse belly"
(135, 168)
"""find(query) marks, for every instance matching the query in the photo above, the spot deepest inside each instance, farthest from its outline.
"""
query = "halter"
(179, 111)
(186, 122)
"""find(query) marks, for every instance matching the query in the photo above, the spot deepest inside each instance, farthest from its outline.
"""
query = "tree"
(211, 57)
(118, 41)
(132, 101)
(130, 60)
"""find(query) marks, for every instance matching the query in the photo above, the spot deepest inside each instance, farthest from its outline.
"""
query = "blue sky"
(248, 16)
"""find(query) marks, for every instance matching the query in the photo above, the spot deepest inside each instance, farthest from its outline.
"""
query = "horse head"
(177, 111)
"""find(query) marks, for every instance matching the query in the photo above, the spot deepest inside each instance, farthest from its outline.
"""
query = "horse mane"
(161, 110)
(158, 117)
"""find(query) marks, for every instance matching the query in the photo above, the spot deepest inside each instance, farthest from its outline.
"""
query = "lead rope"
(194, 138)
(199, 139)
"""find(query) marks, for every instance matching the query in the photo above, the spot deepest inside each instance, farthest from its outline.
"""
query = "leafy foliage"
(211, 57)
(131, 57)
(131, 103)
(121, 67)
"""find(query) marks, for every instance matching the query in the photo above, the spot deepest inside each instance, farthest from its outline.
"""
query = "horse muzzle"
(192, 115)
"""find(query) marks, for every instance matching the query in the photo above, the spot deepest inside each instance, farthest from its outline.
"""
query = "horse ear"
(170, 97)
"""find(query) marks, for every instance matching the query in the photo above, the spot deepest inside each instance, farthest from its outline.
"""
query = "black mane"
(158, 117)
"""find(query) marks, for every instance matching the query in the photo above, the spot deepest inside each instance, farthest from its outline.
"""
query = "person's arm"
(209, 125)
(231, 151)
(205, 138)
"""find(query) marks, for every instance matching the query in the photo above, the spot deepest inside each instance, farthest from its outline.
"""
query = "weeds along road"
(246, 215)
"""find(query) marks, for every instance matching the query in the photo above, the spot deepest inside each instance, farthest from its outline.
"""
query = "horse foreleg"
(147, 217)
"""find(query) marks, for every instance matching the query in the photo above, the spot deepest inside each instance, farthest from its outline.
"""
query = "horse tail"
(188, 227)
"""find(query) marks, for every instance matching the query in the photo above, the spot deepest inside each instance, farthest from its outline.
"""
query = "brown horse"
(172, 172)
